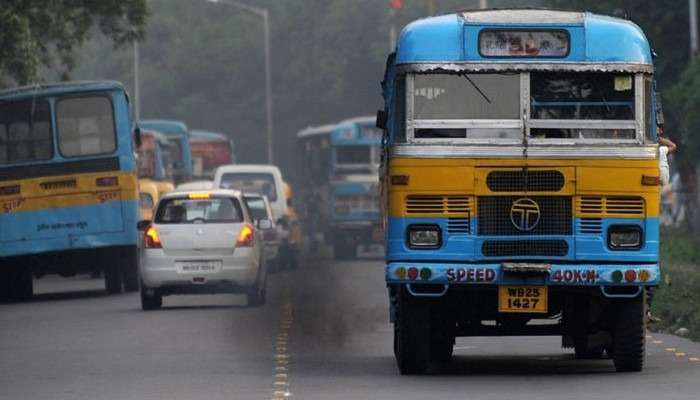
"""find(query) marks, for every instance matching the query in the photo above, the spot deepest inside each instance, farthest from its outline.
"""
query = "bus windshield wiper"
(477, 88)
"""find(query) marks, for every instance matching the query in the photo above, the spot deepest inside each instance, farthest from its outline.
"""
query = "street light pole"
(264, 14)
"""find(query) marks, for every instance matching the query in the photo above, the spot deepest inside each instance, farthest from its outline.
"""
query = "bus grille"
(525, 181)
(456, 226)
(525, 248)
(438, 204)
(495, 216)
(600, 205)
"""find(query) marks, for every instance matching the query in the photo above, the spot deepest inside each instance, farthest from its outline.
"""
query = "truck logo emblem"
(525, 214)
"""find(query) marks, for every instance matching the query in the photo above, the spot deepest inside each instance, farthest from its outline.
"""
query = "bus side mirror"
(659, 112)
(382, 117)
(137, 136)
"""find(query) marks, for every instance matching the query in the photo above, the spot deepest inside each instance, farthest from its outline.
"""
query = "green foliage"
(677, 301)
(45, 33)
(684, 98)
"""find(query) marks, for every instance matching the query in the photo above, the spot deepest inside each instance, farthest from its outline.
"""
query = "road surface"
(324, 334)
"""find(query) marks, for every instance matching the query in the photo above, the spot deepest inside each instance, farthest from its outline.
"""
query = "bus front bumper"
(506, 273)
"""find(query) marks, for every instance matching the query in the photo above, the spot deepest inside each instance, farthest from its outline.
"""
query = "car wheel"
(628, 334)
(150, 302)
(257, 295)
(130, 270)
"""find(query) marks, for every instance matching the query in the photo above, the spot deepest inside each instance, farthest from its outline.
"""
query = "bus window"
(25, 132)
(353, 155)
(85, 126)
(467, 97)
(593, 97)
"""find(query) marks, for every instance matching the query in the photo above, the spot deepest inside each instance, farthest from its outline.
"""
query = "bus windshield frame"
(525, 128)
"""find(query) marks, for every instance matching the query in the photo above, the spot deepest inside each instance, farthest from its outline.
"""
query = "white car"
(261, 179)
(259, 209)
(202, 242)
(195, 185)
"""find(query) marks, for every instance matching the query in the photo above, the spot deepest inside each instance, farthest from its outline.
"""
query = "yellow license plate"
(522, 299)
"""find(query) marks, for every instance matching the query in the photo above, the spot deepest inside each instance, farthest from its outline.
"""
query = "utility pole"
(483, 4)
(693, 11)
(137, 94)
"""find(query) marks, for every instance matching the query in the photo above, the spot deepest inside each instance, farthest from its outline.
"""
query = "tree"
(46, 33)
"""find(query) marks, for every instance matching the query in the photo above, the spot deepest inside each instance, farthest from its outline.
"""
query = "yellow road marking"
(671, 349)
(680, 354)
(658, 341)
(694, 359)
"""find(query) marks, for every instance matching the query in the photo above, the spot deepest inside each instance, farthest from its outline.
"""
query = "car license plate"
(522, 299)
(187, 267)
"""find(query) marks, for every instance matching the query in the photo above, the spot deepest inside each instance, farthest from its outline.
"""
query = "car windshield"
(251, 182)
(187, 211)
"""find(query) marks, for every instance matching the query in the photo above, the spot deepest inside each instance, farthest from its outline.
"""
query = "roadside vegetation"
(677, 301)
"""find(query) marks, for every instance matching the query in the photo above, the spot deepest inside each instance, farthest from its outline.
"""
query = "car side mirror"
(143, 225)
(265, 224)
(382, 117)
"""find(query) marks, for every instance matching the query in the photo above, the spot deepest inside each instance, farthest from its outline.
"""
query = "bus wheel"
(412, 335)
(130, 270)
(18, 283)
(113, 277)
(442, 334)
(628, 334)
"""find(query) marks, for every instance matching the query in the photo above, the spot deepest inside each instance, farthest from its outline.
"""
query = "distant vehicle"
(148, 198)
(340, 162)
(260, 210)
(155, 161)
(203, 242)
(180, 149)
(521, 183)
(68, 185)
(196, 185)
(210, 150)
(264, 180)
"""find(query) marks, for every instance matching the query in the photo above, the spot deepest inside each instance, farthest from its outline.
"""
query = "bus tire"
(18, 283)
(629, 330)
(412, 335)
(113, 277)
(130, 270)
(442, 334)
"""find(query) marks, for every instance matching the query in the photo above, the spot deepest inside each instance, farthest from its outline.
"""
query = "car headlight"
(424, 236)
(625, 237)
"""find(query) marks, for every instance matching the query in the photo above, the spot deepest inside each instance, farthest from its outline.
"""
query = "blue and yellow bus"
(68, 185)
(181, 151)
(520, 182)
(339, 179)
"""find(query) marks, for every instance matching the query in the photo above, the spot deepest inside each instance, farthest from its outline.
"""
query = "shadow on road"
(72, 295)
(557, 364)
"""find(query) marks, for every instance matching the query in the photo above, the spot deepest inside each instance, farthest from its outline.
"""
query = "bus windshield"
(508, 107)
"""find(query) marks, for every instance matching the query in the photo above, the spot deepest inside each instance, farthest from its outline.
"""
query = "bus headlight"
(625, 237)
(424, 236)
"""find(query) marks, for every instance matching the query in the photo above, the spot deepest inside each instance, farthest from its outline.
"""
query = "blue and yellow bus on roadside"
(520, 183)
(68, 185)
(338, 167)
(180, 150)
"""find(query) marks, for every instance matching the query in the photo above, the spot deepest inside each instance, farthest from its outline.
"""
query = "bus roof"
(206, 136)
(54, 89)
(370, 119)
(155, 134)
(316, 130)
(167, 126)
(606, 42)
